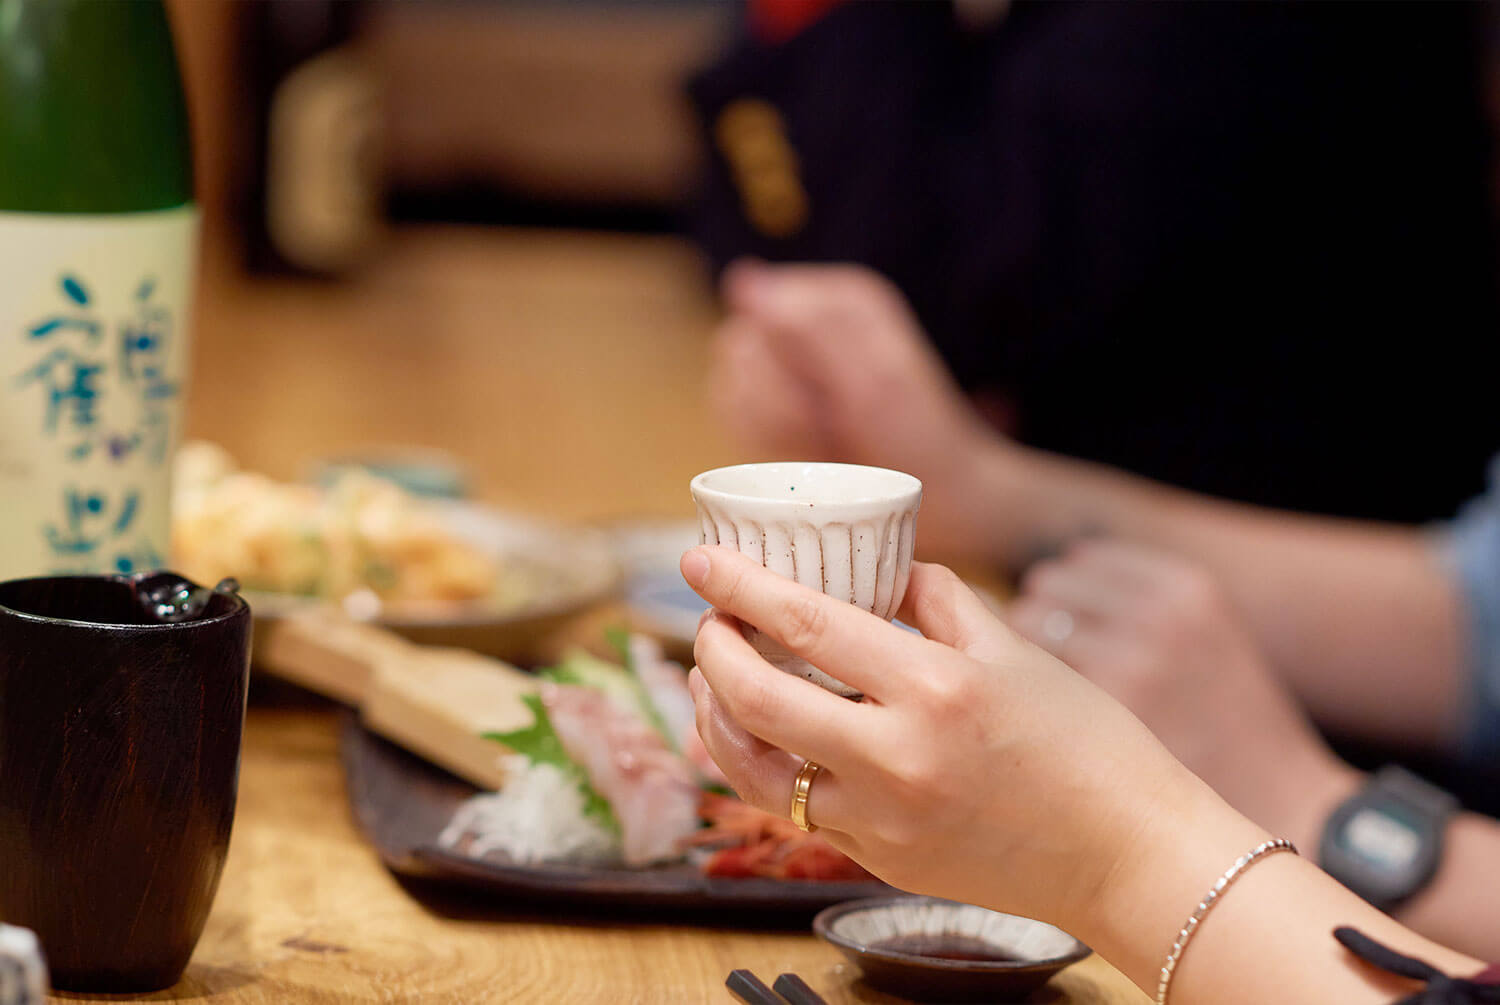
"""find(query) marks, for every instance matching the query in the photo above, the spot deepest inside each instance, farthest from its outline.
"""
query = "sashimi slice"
(652, 790)
(666, 685)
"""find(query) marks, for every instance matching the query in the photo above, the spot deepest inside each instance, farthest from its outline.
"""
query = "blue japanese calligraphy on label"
(76, 357)
(92, 362)
(99, 527)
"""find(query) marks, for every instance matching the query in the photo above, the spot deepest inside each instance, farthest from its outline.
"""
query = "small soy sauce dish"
(927, 949)
(122, 704)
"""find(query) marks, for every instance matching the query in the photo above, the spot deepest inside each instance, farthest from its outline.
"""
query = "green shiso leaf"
(618, 638)
(539, 744)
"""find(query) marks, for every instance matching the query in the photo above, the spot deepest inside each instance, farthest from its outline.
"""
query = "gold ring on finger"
(801, 791)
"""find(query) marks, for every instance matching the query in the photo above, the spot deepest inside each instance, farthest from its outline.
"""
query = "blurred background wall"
(470, 110)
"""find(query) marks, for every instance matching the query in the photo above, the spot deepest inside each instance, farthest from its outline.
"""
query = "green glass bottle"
(98, 231)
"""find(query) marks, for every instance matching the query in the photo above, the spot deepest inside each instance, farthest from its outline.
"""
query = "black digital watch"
(1385, 843)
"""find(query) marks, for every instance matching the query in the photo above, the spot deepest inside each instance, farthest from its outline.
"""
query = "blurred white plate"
(659, 601)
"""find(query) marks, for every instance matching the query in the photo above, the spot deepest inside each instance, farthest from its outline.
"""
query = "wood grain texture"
(565, 369)
(306, 914)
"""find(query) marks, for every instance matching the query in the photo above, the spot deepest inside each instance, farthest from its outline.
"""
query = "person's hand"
(977, 766)
(827, 362)
(1157, 633)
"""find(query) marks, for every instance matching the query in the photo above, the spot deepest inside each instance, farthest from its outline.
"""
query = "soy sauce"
(947, 946)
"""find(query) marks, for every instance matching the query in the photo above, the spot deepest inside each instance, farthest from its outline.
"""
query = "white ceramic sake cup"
(844, 529)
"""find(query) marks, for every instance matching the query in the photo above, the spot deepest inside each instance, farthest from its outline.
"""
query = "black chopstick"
(795, 990)
(751, 990)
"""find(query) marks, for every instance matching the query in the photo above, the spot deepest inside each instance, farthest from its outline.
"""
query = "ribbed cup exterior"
(865, 562)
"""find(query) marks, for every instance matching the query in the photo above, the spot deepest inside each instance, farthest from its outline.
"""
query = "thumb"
(945, 609)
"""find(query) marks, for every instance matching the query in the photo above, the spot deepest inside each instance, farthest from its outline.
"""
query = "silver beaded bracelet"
(1244, 862)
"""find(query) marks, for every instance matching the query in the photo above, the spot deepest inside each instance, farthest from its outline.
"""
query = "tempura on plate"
(359, 535)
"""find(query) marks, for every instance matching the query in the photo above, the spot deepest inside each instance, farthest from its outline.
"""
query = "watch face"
(1382, 839)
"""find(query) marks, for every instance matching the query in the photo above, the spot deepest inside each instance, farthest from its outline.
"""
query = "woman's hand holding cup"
(977, 767)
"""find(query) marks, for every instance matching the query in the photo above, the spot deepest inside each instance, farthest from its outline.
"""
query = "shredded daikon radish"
(537, 817)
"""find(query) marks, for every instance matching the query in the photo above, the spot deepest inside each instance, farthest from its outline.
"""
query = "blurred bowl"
(927, 949)
(422, 471)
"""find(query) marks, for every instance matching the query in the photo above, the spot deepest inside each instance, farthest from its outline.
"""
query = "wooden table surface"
(306, 913)
(567, 371)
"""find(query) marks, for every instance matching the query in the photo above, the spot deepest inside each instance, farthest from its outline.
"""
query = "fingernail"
(695, 682)
(695, 568)
(703, 618)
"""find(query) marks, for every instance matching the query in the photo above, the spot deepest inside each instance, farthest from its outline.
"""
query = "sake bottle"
(97, 239)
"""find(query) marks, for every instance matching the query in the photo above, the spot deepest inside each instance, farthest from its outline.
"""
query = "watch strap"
(1417, 792)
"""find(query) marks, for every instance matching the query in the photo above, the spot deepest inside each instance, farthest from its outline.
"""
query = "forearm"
(1456, 909)
(1269, 938)
(1359, 618)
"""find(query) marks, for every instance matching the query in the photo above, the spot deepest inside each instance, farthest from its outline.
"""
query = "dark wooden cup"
(119, 766)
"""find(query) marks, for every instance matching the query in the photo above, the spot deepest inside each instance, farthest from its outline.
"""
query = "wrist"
(1017, 502)
(980, 495)
(1282, 910)
(1321, 787)
(1163, 867)
(1387, 843)
(1050, 500)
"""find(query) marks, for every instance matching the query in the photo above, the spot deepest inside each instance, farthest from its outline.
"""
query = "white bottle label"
(93, 356)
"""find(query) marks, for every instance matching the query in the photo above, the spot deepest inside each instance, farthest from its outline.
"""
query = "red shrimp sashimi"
(752, 842)
(652, 790)
(804, 857)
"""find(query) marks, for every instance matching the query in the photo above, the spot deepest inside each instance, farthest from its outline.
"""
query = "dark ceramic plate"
(402, 803)
(937, 950)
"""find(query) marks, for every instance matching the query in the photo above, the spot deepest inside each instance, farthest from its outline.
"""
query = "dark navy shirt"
(1244, 248)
